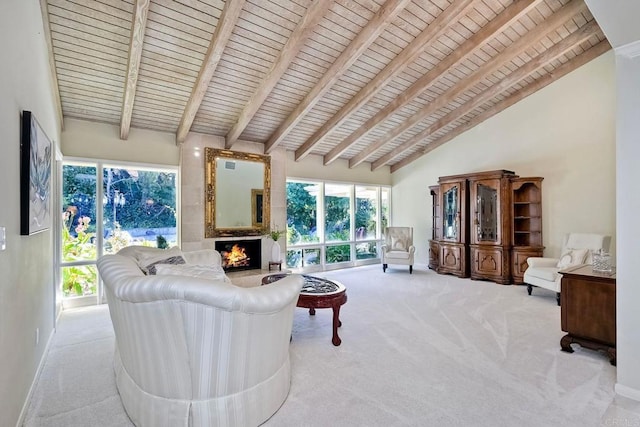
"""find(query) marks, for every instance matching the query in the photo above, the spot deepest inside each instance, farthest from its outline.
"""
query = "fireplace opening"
(240, 254)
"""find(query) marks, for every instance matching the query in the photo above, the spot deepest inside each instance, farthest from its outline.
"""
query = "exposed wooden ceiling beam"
(140, 13)
(540, 83)
(312, 18)
(522, 45)
(407, 56)
(44, 9)
(466, 49)
(383, 17)
(221, 35)
(487, 94)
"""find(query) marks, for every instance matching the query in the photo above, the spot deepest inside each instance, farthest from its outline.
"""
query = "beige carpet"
(417, 350)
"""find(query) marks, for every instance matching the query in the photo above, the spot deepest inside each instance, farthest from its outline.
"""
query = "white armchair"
(398, 247)
(198, 352)
(577, 249)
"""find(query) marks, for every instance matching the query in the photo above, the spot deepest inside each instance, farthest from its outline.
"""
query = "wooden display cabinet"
(486, 225)
(453, 228)
(490, 200)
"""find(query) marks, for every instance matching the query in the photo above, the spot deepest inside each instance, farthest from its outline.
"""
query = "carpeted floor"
(417, 350)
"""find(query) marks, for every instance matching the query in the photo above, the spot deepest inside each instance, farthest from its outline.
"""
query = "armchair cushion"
(572, 257)
(393, 255)
(399, 243)
(544, 273)
(192, 270)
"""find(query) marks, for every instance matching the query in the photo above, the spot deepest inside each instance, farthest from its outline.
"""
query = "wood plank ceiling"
(377, 81)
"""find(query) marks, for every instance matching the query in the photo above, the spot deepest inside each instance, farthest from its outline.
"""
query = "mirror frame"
(210, 229)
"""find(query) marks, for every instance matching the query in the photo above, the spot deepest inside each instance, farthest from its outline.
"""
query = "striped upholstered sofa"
(192, 351)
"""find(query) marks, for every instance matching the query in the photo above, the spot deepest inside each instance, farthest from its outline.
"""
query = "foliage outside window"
(302, 202)
(385, 196)
(366, 203)
(331, 213)
(337, 217)
(338, 253)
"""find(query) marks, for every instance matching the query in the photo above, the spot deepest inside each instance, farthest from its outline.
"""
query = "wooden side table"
(588, 310)
(319, 293)
(275, 264)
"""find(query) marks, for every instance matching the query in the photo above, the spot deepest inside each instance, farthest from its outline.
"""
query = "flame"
(236, 257)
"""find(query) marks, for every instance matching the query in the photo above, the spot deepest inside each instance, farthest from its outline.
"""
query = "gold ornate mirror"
(237, 193)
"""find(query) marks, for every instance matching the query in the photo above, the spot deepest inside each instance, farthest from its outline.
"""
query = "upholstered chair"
(196, 352)
(577, 249)
(398, 247)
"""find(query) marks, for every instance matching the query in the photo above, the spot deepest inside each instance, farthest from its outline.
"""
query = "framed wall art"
(35, 177)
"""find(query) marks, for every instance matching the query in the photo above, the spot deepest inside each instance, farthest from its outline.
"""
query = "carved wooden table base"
(567, 340)
(319, 293)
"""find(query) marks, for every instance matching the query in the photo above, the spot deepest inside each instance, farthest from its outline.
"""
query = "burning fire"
(235, 258)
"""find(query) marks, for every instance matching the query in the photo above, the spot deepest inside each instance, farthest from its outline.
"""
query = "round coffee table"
(319, 293)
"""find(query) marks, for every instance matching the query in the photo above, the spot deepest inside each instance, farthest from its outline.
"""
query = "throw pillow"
(210, 272)
(397, 243)
(148, 263)
(572, 257)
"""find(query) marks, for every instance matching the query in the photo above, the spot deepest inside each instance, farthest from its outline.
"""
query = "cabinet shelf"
(527, 212)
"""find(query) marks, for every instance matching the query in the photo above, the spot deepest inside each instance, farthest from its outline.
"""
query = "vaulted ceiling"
(377, 81)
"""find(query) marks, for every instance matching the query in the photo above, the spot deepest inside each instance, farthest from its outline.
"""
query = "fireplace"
(240, 254)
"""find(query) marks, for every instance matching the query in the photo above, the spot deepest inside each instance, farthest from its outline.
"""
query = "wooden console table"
(588, 310)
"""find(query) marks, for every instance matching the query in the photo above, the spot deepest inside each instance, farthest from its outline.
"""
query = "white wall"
(628, 203)
(564, 133)
(82, 138)
(312, 167)
(26, 267)
(619, 22)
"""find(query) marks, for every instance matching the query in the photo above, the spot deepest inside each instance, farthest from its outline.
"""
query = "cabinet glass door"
(450, 214)
(487, 213)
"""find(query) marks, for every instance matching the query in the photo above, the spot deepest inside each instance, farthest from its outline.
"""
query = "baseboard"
(629, 392)
(36, 377)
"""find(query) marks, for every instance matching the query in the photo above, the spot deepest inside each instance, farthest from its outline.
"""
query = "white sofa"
(543, 272)
(197, 352)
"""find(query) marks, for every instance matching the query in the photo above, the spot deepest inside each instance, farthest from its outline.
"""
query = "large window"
(334, 224)
(108, 207)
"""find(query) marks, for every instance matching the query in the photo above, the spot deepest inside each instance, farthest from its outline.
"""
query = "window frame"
(100, 165)
(322, 244)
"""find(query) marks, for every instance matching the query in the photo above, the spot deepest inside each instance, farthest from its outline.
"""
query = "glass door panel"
(337, 202)
(365, 218)
(78, 246)
(302, 212)
(450, 213)
(487, 213)
(385, 208)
